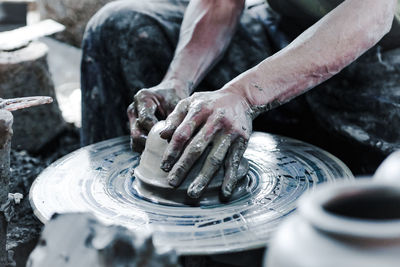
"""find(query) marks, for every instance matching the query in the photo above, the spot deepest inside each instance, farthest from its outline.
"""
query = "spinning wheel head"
(98, 179)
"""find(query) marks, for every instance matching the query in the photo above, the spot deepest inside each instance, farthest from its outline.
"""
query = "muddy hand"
(148, 107)
(220, 119)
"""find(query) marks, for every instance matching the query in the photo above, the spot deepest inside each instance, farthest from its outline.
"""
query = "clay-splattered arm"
(316, 55)
(223, 118)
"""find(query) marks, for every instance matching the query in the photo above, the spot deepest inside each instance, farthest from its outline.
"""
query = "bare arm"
(319, 53)
(207, 28)
(206, 31)
(223, 118)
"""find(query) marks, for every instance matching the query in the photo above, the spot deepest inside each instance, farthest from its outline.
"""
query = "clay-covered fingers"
(181, 136)
(146, 105)
(232, 162)
(213, 162)
(175, 118)
(141, 113)
(191, 153)
(138, 136)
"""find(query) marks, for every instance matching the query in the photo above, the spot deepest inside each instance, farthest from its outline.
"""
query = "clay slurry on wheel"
(98, 178)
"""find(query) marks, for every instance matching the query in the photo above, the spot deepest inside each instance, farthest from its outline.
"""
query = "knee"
(117, 19)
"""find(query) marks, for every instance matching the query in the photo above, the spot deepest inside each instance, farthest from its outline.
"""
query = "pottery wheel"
(98, 179)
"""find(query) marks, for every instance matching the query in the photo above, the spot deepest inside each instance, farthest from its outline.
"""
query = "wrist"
(238, 90)
(180, 87)
(256, 107)
(240, 93)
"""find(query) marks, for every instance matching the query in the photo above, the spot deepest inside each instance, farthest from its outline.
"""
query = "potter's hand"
(220, 119)
(148, 106)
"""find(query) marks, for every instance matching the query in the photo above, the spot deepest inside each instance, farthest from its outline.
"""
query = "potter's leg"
(127, 46)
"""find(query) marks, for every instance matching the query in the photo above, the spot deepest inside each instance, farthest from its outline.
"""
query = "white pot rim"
(311, 208)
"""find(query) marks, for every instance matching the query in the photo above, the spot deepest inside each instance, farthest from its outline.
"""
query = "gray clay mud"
(24, 228)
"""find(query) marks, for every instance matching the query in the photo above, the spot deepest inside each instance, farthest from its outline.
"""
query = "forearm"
(317, 54)
(206, 31)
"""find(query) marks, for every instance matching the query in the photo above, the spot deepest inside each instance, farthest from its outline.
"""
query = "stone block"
(74, 14)
(24, 72)
(6, 121)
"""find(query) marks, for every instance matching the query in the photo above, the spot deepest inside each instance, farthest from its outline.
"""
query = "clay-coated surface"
(97, 179)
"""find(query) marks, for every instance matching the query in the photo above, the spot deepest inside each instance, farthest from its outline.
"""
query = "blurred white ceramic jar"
(352, 223)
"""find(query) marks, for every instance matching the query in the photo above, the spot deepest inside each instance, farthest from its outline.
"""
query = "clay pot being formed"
(151, 181)
(343, 224)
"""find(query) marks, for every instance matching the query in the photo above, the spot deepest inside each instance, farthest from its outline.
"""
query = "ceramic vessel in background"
(389, 170)
(344, 224)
